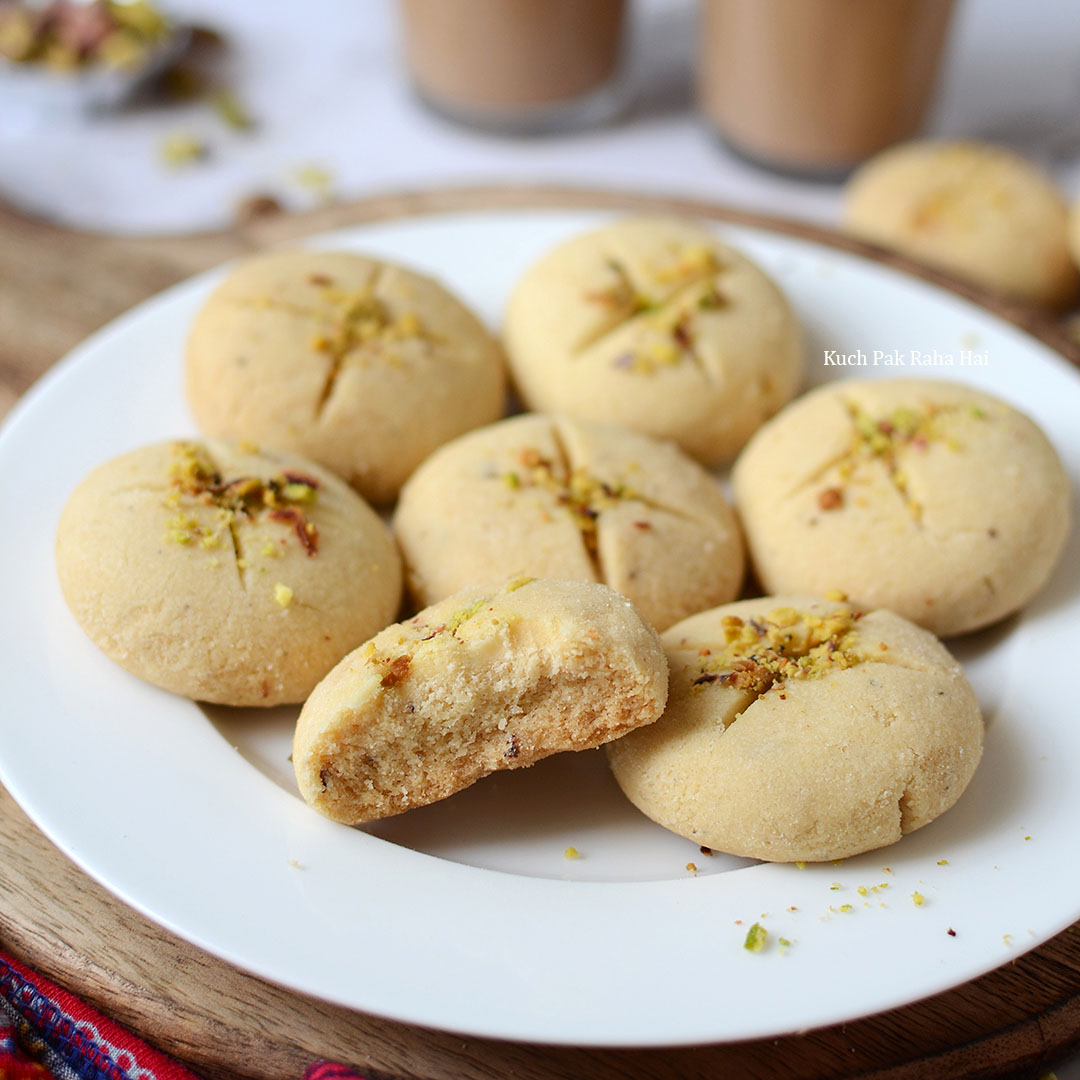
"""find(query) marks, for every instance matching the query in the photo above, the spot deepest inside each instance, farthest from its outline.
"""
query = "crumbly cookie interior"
(430, 706)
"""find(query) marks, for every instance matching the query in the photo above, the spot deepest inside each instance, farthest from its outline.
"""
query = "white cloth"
(324, 80)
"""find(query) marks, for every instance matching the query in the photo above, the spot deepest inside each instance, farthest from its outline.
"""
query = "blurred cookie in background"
(974, 210)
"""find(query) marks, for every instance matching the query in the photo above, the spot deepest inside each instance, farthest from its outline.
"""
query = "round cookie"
(562, 498)
(494, 677)
(223, 573)
(654, 324)
(800, 729)
(929, 498)
(360, 365)
(980, 212)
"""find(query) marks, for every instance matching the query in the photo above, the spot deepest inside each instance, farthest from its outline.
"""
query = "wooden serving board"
(58, 286)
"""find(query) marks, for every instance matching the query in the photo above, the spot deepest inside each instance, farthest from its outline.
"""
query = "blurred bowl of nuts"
(68, 58)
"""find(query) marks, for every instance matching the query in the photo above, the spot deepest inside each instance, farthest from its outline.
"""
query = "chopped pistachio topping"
(694, 261)
(283, 594)
(621, 294)
(64, 36)
(397, 663)
(398, 670)
(669, 322)
(355, 319)
(756, 937)
(465, 614)
(783, 644)
(670, 335)
(194, 477)
(918, 899)
(571, 853)
(888, 439)
(583, 496)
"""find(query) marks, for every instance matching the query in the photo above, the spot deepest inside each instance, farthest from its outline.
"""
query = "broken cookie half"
(803, 729)
(493, 677)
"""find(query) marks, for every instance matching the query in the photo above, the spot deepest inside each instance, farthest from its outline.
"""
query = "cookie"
(361, 365)
(561, 498)
(977, 211)
(801, 729)
(929, 498)
(654, 324)
(223, 573)
(494, 677)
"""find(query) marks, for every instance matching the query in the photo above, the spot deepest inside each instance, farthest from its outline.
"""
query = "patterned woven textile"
(47, 1033)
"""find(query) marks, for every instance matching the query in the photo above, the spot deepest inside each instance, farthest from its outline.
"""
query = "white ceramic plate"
(466, 915)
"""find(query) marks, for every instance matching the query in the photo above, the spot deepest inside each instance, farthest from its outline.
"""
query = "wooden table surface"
(58, 286)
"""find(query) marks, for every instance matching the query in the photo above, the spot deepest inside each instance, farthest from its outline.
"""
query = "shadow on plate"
(521, 821)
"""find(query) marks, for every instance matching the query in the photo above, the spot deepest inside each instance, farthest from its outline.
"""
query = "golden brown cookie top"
(654, 324)
(930, 498)
(224, 572)
(359, 364)
(555, 497)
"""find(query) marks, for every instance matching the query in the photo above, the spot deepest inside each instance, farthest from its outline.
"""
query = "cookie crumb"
(283, 594)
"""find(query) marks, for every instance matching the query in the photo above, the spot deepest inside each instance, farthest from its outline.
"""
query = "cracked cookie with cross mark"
(361, 365)
(223, 573)
(561, 498)
(929, 498)
(494, 677)
(800, 729)
(654, 324)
